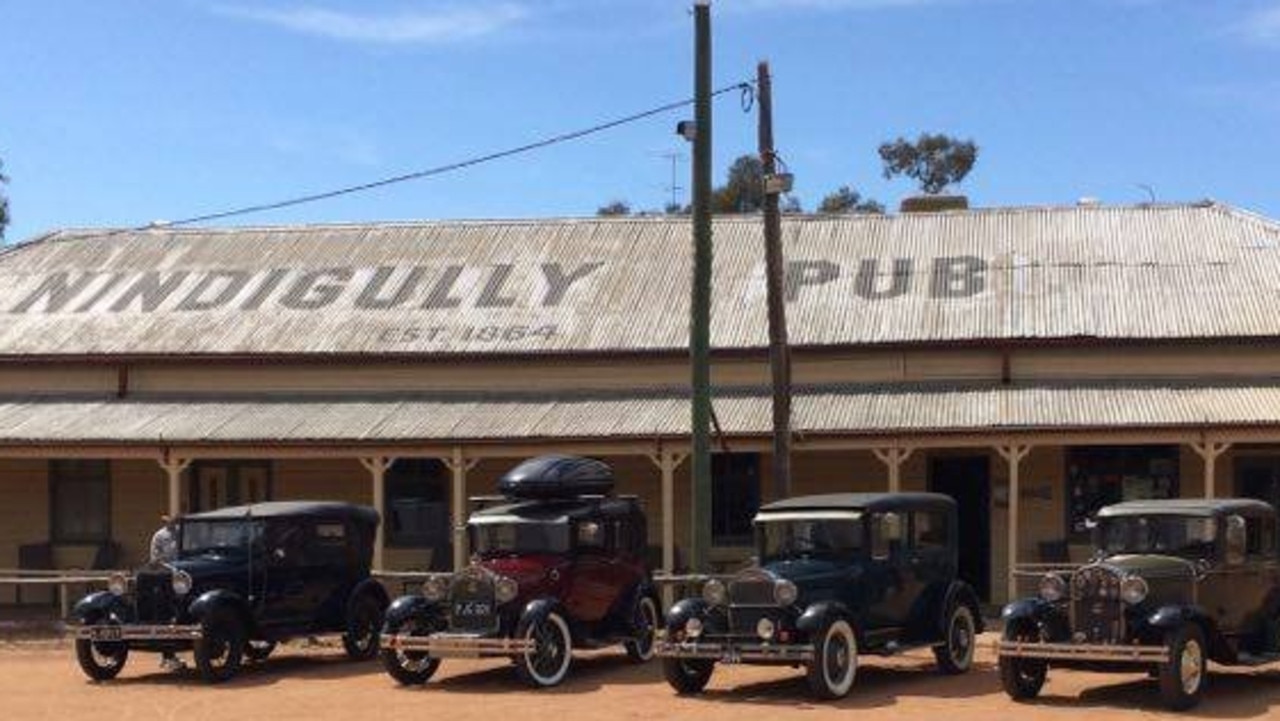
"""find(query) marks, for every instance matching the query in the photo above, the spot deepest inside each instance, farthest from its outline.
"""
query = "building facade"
(1033, 363)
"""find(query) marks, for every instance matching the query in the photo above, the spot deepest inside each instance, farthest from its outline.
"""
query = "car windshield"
(1191, 536)
(490, 538)
(222, 536)
(791, 536)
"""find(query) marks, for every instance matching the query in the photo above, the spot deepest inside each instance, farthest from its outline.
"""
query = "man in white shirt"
(164, 548)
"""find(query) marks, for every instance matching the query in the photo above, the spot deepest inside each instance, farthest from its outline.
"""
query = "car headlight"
(765, 629)
(1133, 589)
(714, 592)
(785, 592)
(181, 583)
(435, 588)
(1052, 587)
(505, 589)
(693, 628)
(117, 584)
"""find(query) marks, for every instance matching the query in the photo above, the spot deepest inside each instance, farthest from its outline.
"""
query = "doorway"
(1258, 477)
(967, 479)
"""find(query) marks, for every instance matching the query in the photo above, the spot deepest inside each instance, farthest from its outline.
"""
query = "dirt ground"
(40, 680)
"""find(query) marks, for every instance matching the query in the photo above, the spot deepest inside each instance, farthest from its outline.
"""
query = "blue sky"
(124, 112)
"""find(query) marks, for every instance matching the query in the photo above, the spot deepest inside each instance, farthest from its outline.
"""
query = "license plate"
(472, 609)
(731, 657)
(106, 633)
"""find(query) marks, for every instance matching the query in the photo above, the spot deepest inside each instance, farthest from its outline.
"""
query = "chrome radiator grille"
(1097, 611)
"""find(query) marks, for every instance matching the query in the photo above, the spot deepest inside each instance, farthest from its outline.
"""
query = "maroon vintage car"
(559, 563)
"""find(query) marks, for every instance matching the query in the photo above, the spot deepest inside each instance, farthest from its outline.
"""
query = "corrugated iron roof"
(621, 285)
(866, 410)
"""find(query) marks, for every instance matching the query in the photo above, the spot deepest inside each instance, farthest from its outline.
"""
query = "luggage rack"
(479, 503)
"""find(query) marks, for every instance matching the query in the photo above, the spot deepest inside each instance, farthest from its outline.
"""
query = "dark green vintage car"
(838, 577)
(1173, 584)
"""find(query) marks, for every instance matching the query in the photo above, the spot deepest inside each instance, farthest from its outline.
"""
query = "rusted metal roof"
(845, 410)
(621, 285)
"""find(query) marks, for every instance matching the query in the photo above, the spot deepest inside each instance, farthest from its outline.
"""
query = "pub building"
(1034, 363)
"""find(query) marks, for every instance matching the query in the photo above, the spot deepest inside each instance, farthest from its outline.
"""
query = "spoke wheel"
(835, 661)
(101, 661)
(220, 648)
(640, 649)
(364, 625)
(1022, 678)
(1182, 678)
(547, 663)
(955, 656)
(410, 668)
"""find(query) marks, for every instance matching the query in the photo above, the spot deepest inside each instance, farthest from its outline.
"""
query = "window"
(80, 501)
(591, 536)
(929, 530)
(886, 535)
(417, 504)
(1100, 476)
(1260, 537)
(735, 497)
(217, 484)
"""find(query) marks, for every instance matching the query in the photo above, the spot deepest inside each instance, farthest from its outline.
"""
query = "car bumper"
(138, 632)
(442, 645)
(1082, 652)
(735, 652)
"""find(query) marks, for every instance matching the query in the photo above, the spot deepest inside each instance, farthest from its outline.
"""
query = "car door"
(888, 582)
(591, 591)
(286, 594)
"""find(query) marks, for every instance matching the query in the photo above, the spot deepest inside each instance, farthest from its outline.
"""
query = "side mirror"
(1236, 540)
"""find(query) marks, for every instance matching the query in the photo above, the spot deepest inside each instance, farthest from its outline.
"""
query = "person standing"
(164, 548)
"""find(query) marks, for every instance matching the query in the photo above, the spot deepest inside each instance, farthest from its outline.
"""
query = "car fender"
(960, 592)
(1167, 618)
(1036, 610)
(407, 607)
(370, 587)
(684, 610)
(210, 601)
(537, 610)
(101, 603)
(627, 602)
(821, 613)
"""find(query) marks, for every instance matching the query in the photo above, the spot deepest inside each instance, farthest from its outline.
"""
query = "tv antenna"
(674, 158)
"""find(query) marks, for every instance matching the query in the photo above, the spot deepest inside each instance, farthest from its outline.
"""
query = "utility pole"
(700, 311)
(779, 354)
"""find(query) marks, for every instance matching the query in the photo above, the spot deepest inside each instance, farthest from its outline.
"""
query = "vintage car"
(837, 576)
(245, 578)
(559, 564)
(1173, 584)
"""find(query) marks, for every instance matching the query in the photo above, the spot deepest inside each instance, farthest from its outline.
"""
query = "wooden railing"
(61, 579)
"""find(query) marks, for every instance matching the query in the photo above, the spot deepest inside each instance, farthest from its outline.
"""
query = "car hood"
(525, 570)
(803, 571)
(1151, 566)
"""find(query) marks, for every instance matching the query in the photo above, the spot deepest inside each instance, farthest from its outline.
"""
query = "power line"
(743, 87)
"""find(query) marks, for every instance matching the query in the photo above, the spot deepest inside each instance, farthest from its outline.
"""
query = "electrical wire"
(745, 88)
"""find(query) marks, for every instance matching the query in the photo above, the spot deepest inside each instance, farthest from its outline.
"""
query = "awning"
(821, 411)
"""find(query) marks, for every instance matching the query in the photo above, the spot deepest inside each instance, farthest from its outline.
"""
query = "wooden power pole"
(700, 310)
(779, 353)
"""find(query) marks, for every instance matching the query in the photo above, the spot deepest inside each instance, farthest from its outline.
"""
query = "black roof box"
(557, 476)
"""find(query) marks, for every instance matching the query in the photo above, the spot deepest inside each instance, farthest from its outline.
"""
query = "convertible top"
(863, 501)
(1187, 507)
(282, 509)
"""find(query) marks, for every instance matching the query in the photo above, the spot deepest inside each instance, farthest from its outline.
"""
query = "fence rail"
(19, 578)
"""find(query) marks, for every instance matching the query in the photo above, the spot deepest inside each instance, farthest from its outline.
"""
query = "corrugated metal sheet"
(622, 284)
(843, 410)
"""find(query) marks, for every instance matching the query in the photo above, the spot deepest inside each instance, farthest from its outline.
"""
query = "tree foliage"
(4, 201)
(743, 190)
(847, 200)
(933, 160)
(614, 208)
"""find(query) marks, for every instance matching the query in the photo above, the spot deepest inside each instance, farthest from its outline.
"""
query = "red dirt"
(40, 680)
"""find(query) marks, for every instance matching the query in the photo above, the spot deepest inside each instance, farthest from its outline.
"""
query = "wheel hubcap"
(961, 639)
(1191, 666)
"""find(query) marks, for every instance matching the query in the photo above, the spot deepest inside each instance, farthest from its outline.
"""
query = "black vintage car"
(245, 578)
(1172, 585)
(559, 564)
(838, 576)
